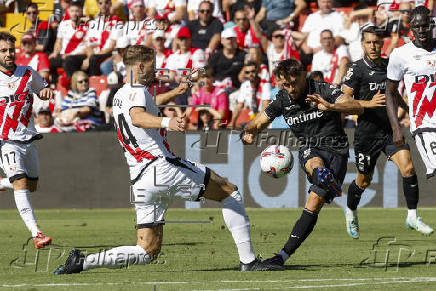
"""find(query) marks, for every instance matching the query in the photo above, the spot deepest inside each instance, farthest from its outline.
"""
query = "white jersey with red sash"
(16, 101)
(73, 38)
(192, 59)
(102, 30)
(140, 145)
(328, 63)
(246, 40)
(162, 60)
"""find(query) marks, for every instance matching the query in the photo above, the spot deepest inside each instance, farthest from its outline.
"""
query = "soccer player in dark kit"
(366, 81)
(313, 112)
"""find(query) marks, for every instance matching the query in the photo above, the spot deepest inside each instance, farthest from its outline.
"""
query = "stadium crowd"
(234, 44)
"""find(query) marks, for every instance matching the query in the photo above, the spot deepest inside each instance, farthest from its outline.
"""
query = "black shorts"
(367, 152)
(335, 162)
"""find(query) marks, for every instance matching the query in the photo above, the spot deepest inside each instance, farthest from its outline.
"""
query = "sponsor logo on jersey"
(303, 117)
(371, 73)
(377, 86)
(14, 98)
(12, 85)
(425, 78)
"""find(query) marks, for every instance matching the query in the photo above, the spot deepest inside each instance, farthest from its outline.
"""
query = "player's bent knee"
(408, 171)
(363, 184)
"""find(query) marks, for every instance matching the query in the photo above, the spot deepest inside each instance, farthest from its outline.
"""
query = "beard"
(7, 66)
(148, 79)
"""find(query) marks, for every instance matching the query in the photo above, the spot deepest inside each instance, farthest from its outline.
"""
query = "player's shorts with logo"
(335, 162)
(426, 145)
(160, 182)
(19, 160)
(368, 150)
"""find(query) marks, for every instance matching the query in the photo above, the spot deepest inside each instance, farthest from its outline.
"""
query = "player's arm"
(378, 100)
(259, 123)
(141, 118)
(166, 97)
(392, 102)
(344, 103)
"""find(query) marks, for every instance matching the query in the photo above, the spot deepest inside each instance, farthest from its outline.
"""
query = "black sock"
(411, 191)
(353, 195)
(302, 228)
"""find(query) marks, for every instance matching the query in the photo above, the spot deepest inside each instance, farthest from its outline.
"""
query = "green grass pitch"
(203, 256)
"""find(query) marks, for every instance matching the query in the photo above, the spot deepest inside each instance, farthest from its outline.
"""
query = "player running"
(19, 154)
(157, 176)
(323, 150)
(366, 80)
(416, 63)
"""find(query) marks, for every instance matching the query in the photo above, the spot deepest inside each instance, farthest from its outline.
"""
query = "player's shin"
(353, 196)
(26, 211)
(117, 258)
(411, 193)
(302, 229)
(239, 225)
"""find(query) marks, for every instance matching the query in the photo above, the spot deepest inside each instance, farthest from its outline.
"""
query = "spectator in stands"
(206, 29)
(175, 9)
(248, 32)
(252, 94)
(117, 59)
(228, 61)
(30, 57)
(170, 30)
(325, 18)
(162, 54)
(193, 7)
(70, 47)
(331, 60)
(41, 30)
(208, 94)
(44, 121)
(354, 22)
(186, 57)
(281, 47)
(138, 29)
(282, 12)
(79, 109)
(101, 37)
(399, 28)
(316, 76)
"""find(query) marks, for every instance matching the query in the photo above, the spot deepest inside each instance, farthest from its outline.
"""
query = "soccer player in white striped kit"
(416, 63)
(157, 176)
(19, 154)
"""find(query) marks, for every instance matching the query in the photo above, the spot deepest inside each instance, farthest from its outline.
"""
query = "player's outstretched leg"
(220, 189)
(355, 191)
(411, 191)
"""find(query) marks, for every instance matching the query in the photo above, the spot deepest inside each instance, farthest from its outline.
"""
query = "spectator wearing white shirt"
(325, 18)
(175, 9)
(331, 60)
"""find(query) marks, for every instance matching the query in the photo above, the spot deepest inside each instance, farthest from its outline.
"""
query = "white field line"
(380, 281)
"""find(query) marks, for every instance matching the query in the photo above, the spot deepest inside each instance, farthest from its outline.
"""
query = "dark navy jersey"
(366, 79)
(312, 127)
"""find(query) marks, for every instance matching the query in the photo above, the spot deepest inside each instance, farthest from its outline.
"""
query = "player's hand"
(378, 100)
(319, 102)
(398, 138)
(247, 138)
(178, 123)
(46, 94)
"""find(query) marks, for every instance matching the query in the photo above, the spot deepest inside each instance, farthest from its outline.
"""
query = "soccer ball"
(276, 161)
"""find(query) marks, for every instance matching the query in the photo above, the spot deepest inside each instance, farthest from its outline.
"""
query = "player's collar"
(9, 73)
(370, 63)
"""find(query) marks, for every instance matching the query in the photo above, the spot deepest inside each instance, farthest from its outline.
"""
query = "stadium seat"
(99, 83)
(244, 117)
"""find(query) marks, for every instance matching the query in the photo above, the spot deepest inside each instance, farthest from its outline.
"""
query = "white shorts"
(426, 144)
(163, 180)
(19, 160)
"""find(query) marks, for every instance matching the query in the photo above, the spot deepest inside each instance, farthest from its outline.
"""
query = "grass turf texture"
(203, 256)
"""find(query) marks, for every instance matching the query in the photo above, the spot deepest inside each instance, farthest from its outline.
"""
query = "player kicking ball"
(366, 81)
(157, 176)
(313, 112)
(19, 154)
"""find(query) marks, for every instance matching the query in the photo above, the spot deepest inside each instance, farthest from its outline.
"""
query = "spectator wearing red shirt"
(70, 47)
(41, 29)
(30, 57)
(208, 94)
(101, 37)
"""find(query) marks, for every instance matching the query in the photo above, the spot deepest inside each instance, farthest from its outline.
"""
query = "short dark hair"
(32, 5)
(5, 36)
(371, 29)
(326, 30)
(288, 68)
(77, 3)
(251, 64)
(212, 5)
(137, 53)
(420, 10)
(316, 75)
